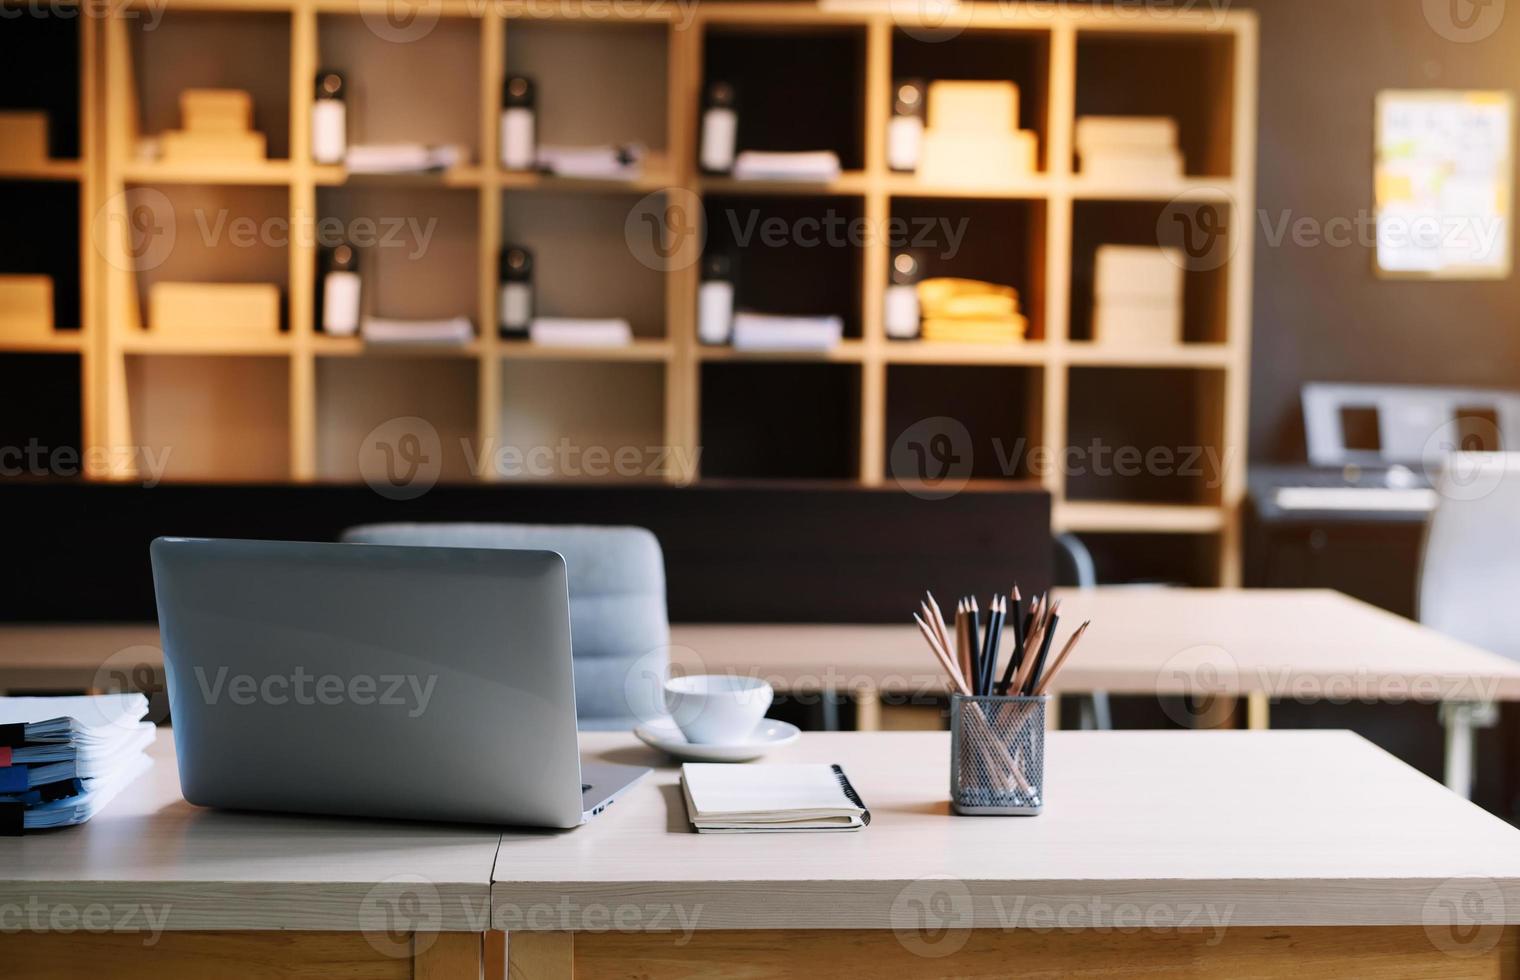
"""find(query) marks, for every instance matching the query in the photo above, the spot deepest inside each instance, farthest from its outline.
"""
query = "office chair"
(619, 631)
(1470, 576)
(1095, 712)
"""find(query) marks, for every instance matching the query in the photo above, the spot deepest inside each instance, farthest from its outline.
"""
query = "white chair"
(1470, 580)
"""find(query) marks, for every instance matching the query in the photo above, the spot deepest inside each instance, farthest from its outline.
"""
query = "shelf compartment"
(364, 404)
(40, 415)
(1154, 558)
(1107, 516)
(642, 349)
(47, 215)
(41, 57)
(995, 241)
(1020, 57)
(971, 355)
(576, 107)
(786, 260)
(210, 234)
(210, 418)
(848, 352)
(581, 421)
(417, 247)
(1187, 76)
(1184, 225)
(1146, 437)
(247, 50)
(780, 421)
(962, 423)
(422, 89)
(798, 89)
(584, 264)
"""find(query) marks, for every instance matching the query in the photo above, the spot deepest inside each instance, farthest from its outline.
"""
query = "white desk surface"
(1292, 644)
(1256, 828)
(151, 861)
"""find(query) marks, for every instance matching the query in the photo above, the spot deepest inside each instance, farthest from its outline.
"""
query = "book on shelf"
(1129, 149)
(456, 331)
(765, 332)
(819, 166)
(402, 158)
(564, 331)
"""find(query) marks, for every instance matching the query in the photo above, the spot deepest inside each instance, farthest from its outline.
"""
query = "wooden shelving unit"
(779, 415)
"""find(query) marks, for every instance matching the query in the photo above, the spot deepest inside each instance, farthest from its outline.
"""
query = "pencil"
(942, 656)
(994, 640)
(1039, 660)
(1055, 666)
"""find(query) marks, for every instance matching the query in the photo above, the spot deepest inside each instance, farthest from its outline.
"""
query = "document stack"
(1129, 149)
(1138, 291)
(63, 759)
(454, 331)
(564, 331)
(968, 311)
(621, 161)
(973, 135)
(762, 332)
(218, 126)
(403, 158)
(813, 166)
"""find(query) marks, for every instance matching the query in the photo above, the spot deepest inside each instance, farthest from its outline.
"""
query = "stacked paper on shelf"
(1138, 296)
(969, 311)
(63, 759)
(564, 331)
(454, 330)
(1132, 149)
(402, 158)
(764, 332)
(973, 134)
(818, 166)
(623, 161)
(223, 309)
(216, 125)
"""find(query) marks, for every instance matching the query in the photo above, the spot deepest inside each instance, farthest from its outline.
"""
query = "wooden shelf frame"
(1057, 190)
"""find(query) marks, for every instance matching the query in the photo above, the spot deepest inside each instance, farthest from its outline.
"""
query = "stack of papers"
(456, 330)
(564, 331)
(819, 166)
(63, 759)
(402, 158)
(611, 162)
(969, 311)
(1138, 292)
(726, 799)
(762, 332)
(1131, 149)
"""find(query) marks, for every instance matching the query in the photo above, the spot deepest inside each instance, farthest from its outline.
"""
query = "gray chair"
(618, 625)
(1095, 711)
(1469, 578)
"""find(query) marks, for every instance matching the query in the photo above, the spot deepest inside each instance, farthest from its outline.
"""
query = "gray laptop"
(376, 681)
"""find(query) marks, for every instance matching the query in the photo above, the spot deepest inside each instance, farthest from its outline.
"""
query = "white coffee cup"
(717, 709)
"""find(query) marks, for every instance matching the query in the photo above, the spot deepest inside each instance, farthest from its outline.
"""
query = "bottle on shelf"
(515, 303)
(720, 128)
(341, 291)
(519, 124)
(329, 119)
(715, 300)
(900, 313)
(905, 131)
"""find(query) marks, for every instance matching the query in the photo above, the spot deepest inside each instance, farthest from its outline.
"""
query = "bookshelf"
(300, 403)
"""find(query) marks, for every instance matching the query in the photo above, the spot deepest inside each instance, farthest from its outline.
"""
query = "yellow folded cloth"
(988, 307)
(995, 331)
(934, 291)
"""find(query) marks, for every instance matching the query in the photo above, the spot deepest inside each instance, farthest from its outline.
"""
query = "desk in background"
(1282, 854)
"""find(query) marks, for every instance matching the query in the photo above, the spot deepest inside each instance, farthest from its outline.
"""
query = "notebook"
(727, 799)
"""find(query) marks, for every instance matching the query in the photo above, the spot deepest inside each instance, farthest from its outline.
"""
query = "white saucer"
(665, 736)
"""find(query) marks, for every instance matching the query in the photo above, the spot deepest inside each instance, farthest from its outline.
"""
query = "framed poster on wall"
(1443, 184)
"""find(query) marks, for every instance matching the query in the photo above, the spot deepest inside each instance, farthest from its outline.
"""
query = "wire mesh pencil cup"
(997, 755)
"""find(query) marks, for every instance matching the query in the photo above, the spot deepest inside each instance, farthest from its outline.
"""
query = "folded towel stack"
(968, 311)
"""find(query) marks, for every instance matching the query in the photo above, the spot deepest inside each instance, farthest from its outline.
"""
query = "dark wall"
(1319, 312)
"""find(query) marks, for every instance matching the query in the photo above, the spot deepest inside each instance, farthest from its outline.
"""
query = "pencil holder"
(997, 755)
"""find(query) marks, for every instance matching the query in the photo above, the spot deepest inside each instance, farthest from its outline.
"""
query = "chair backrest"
(618, 624)
(1470, 570)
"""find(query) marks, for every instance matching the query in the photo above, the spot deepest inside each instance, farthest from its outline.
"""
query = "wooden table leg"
(541, 956)
(447, 956)
(1258, 711)
(867, 709)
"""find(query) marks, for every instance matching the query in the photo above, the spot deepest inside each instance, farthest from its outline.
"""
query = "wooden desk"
(1209, 853)
(154, 887)
(1280, 854)
(1304, 645)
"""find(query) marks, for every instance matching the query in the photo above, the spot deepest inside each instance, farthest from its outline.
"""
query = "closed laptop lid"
(368, 680)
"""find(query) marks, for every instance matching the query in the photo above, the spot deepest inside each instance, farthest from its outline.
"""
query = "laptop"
(375, 681)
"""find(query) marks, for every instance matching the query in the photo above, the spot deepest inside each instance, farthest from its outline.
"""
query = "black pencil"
(1016, 654)
(1039, 660)
(994, 640)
